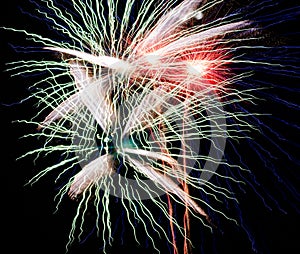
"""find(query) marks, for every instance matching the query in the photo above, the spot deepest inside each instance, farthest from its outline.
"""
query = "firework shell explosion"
(159, 115)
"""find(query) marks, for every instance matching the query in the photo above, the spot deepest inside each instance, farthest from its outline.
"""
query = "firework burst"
(137, 90)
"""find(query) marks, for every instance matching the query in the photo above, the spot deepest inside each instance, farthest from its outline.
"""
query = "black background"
(29, 224)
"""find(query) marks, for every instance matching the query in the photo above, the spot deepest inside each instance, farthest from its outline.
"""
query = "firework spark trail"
(91, 174)
(148, 84)
(77, 188)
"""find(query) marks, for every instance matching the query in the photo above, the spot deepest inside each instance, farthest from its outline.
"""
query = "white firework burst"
(137, 97)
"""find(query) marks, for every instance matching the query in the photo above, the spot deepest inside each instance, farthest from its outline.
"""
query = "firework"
(136, 90)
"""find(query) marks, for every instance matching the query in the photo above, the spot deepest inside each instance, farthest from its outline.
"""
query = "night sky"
(31, 226)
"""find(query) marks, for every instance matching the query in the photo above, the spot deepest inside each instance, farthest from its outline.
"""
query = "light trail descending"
(150, 98)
